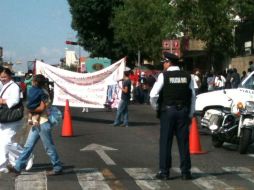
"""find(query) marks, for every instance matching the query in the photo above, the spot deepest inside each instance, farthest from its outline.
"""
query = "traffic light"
(71, 43)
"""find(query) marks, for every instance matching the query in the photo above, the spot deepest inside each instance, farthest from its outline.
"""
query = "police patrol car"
(209, 104)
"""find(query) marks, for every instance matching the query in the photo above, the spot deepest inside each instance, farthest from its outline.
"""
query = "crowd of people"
(171, 93)
(210, 81)
(141, 85)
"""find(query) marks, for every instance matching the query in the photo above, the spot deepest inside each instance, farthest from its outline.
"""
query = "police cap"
(170, 57)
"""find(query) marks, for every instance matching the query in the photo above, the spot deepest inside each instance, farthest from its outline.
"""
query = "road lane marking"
(91, 178)
(251, 155)
(207, 181)
(105, 157)
(144, 178)
(31, 181)
(100, 150)
(111, 179)
(243, 172)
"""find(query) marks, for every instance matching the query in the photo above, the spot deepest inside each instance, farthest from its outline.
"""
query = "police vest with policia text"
(176, 90)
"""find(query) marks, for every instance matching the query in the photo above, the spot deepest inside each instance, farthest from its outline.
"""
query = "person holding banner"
(122, 110)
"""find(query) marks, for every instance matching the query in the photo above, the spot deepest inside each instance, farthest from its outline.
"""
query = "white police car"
(208, 105)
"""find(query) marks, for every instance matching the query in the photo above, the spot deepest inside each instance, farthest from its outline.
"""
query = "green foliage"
(118, 28)
(91, 18)
(140, 25)
(245, 9)
(208, 21)
(217, 25)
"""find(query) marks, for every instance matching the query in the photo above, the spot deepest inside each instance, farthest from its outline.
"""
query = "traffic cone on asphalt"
(195, 145)
(67, 123)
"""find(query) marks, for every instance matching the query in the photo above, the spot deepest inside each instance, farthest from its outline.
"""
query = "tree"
(142, 25)
(244, 9)
(209, 21)
(91, 19)
(116, 28)
(213, 23)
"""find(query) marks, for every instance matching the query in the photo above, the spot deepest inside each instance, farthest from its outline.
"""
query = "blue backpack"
(55, 116)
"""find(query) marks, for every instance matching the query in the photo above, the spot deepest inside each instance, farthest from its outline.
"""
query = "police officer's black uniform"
(175, 102)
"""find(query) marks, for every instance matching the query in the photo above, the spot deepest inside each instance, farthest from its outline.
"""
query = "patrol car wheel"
(245, 140)
(217, 143)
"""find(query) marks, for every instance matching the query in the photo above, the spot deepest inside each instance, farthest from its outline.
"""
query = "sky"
(35, 29)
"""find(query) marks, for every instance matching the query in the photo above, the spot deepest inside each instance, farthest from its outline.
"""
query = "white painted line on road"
(243, 172)
(105, 157)
(91, 178)
(144, 178)
(140, 173)
(251, 155)
(31, 181)
(100, 150)
(207, 182)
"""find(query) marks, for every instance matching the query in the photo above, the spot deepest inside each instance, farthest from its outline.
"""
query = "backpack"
(54, 116)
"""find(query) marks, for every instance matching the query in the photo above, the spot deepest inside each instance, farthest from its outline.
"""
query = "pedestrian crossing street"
(95, 179)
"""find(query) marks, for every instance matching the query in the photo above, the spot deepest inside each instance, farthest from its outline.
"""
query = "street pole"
(138, 58)
(79, 63)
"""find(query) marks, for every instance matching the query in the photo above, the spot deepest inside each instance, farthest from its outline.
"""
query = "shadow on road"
(106, 121)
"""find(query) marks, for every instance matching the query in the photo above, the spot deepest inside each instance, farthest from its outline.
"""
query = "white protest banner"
(81, 89)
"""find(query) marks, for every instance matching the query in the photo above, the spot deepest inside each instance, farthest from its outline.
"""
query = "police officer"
(175, 90)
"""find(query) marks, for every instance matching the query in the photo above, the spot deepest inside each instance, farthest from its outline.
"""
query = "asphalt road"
(100, 156)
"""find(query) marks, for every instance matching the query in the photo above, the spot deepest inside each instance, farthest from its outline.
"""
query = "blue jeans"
(122, 110)
(44, 132)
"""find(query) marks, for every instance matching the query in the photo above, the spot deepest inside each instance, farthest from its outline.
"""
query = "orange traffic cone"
(67, 123)
(195, 146)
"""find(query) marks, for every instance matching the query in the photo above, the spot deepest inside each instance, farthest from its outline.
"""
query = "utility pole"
(138, 58)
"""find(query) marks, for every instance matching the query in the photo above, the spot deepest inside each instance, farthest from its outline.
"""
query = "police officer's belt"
(176, 106)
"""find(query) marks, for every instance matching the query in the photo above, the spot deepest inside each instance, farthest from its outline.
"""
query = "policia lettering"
(176, 89)
(177, 80)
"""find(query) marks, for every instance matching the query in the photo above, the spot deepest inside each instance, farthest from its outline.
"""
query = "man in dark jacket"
(175, 90)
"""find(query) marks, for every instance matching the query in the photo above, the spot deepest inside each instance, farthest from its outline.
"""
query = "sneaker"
(30, 162)
(85, 110)
(162, 176)
(53, 173)
(187, 176)
(13, 170)
(124, 125)
(115, 125)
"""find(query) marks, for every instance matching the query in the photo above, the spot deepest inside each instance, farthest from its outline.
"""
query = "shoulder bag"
(12, 114)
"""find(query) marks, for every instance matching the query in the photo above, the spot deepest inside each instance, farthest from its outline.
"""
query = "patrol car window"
(249, 84)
